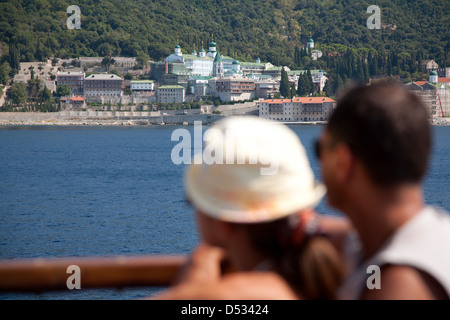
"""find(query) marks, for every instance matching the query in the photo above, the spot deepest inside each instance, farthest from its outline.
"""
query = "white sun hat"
(251, 170)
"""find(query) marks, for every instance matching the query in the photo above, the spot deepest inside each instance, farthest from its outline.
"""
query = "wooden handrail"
(48, 274)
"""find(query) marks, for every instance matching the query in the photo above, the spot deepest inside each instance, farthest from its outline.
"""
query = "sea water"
(105, 191)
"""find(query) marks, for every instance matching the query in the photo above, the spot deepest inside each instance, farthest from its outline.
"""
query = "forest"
(276, 31)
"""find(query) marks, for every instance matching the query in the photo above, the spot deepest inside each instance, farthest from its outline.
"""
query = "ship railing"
(48, 274)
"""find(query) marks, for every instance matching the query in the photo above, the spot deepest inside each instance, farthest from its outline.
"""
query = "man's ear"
(345, 163)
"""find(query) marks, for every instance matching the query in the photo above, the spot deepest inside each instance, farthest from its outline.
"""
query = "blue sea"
(103, 191)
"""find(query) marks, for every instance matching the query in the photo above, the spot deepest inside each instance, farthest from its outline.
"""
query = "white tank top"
(422, 243)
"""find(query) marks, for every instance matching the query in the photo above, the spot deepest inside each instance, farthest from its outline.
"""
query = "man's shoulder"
(427, 229)
(400, 282)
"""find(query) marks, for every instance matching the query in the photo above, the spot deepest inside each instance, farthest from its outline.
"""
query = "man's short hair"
(387, 128)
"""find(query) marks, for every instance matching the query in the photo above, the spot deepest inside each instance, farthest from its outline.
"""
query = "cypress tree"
(366, 73)
(327, 89)
(389, 66)
(284, 84)
(394, 60)
(301, 85)
(339, 84)
(310, 83)
(373, 68)
(46, 95)
(297, 57)
(412, 63)
(292, 92)
(359, 77)
(14, 60)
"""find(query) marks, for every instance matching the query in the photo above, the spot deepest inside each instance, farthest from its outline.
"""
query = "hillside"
(270, 29)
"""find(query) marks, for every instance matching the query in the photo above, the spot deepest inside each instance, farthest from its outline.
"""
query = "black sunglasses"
(318, 147)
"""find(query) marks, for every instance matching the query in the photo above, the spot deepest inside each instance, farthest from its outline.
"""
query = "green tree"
(5, 69)
(373, 67)
(107, 62)
(309, 83)
(390, 70)
(142, 60)
(46, 95)
(33, 88)
(359, 76)
(116, 72)
(284, 84)
(327, 89)
(14, 60)
(366, 73)
(31, 68)
(338, 84)
(63, 90)
(105, 50)
(301, 85)
(292, 92)
(18, 93)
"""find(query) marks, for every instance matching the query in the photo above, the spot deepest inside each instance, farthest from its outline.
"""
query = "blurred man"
(374, 154)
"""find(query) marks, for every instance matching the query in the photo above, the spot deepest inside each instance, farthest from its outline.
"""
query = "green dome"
(177, 47)
(433, 73)
(212, 44)
(310, 40)
(236, 62)
(201, 50)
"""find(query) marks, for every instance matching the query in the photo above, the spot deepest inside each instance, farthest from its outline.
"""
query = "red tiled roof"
(444, 80)
(313, 99)
(275, 101)
(304, 100)
(420, 83)
(77, 98)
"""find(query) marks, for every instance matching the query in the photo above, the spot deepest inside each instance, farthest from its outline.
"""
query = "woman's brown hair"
(311, 264)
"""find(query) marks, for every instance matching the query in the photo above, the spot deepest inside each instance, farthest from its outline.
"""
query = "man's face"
(326, 149)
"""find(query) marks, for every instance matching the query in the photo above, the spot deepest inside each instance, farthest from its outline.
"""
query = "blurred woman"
(253, 192)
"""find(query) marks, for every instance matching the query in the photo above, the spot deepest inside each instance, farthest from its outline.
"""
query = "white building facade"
(234, 88)
(199, 66)
(107, 85)
(73, 79)
(202, 63)
(297, 109)
(142, 85)
(170, 94)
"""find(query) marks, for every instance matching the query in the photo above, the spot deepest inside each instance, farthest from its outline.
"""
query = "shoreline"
(129, 119)
(101, 118)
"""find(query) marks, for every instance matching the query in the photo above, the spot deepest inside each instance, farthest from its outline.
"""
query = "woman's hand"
(204, 265)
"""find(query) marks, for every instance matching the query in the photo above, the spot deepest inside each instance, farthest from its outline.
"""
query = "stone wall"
(102, 118)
